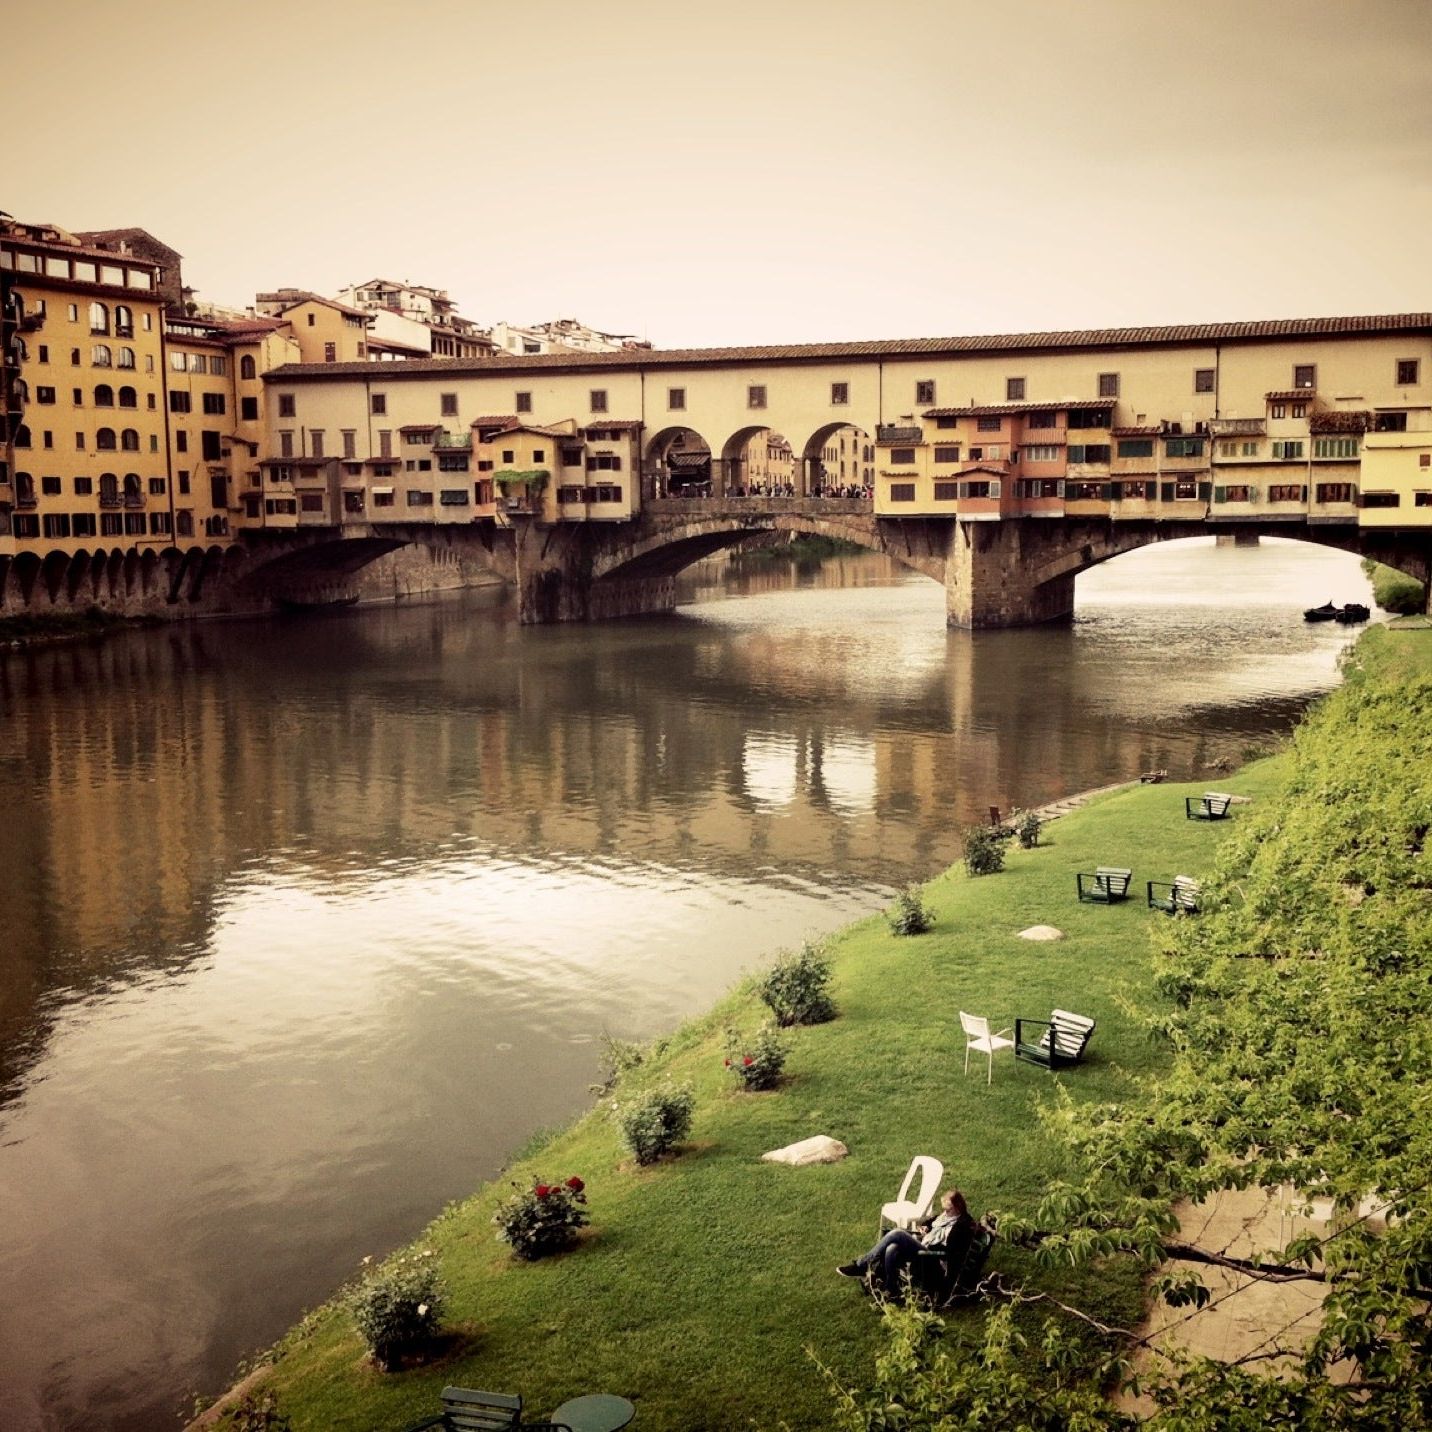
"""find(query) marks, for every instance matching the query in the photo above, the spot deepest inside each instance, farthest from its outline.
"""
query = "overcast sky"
(757, 170)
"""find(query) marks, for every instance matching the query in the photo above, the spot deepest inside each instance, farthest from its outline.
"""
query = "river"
(307, 924)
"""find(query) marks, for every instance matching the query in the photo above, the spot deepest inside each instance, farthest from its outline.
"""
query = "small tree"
(756, 1061)
(796, 987)
(398, 1307)
(909, 915)
(984, 850)
(1026, 828)
(543, 1219)
(656, 1120)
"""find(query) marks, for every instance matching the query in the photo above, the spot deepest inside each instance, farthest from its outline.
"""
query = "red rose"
(748, 1061)
(543, 1190)
(575, 1184)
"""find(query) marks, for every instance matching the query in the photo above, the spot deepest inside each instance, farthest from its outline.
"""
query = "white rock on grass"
(1041, 932)
(820, 1149)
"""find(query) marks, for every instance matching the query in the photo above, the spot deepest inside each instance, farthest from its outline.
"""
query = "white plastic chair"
(906, 1212)
(978, 1037)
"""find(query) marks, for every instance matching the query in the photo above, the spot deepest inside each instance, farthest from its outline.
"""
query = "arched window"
(248, 368)
(126, 358)
(123, 320)
(129, 440)
(22, 391)
(132, 489)
(22, 436)
(24, 488)
(103, 396)
(104, 440)
(128, 398)
(99, 318)
(100, 355)
(108, 489)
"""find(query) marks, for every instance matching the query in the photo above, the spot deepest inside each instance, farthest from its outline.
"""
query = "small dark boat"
(1325, 613)
(1353, 612)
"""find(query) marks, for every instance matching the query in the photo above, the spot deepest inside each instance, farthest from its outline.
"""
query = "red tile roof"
(500, 420)
(1292, 395)
(619, 424)
(1096, 338)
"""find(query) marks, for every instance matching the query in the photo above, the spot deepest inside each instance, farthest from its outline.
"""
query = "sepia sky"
(752, 170)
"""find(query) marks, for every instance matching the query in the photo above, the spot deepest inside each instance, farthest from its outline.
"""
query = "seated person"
(950, 1234)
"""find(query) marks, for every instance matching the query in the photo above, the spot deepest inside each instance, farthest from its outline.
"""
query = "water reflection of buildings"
(146, 773)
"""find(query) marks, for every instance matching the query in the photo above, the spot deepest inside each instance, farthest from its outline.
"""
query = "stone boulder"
(818, 1150)
(1041, 932)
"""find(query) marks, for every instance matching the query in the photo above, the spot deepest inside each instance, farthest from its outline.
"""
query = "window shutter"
(591, 463)
(1116, 491)
(1304, 491)
(994, 487)
(1061, 487)
(1166, 491)
(1205, 490)
(1252, 494)
(964, 491)
(1220, 494)
(1108, 491)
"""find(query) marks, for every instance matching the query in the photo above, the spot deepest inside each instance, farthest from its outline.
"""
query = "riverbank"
(715, 1260)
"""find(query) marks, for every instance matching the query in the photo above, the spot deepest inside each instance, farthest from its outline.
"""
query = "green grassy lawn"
(703, 1281)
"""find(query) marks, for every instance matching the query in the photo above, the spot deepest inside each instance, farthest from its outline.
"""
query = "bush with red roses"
(542, 1219)
(756, 1060)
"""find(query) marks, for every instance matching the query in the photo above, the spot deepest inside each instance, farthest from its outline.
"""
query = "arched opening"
(123, 320)
(128, 398)
(678, 464)
(839, 461)
(99, 318)
(78, 573)
(104, 395)
(133, 490)
(27, 568)
(52, 574)
(125, 358)
(758, 462)
(100, 355)
(148, 571)
(105, 440)
(129, 440)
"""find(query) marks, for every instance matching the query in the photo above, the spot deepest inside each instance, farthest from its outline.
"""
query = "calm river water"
(293, 910)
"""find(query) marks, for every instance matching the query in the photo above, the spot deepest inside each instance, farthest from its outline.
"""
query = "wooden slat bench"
(1211, 805)
(1108, 884)
(1179, 896)
(468, 1410)
(1062, 1044)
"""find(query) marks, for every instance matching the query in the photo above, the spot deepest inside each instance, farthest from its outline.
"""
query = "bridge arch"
(756, 456)
(678, 459)
(837, 455)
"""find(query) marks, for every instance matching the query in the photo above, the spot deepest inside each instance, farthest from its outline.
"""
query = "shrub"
(795, 987)
(655, 1120)
(1396, 592)
(757, 1062)
(398, 1307)
(542, 1219)
(984, 850)
(1026, 827)
(909, 915)
(259, 1412)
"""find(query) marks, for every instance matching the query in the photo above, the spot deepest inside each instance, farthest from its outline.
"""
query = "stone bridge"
(1015, 572)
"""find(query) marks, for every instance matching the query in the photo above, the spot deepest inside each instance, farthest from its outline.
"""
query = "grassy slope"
(703, 1281)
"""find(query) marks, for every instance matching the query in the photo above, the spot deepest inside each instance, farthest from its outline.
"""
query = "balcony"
(453, 442)
(1237, 427)
(132, 499)
(110, 499)
(25, 497)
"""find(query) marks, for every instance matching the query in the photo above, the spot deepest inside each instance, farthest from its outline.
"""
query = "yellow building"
(325, 330)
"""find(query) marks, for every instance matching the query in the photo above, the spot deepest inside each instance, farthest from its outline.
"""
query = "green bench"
(1062, 1044)
(1106, 886)
(1179, 896)
(467, 1410)
(1211, 805)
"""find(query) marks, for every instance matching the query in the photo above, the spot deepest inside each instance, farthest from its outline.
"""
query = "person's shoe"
(849, 1270)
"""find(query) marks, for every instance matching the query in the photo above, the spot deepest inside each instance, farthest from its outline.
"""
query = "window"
(454, 497)
(1042, 452)
(100, 355)
(248, 369)
(756, 395)
(1408, 370)
(1381, 499)
(1305, 375)
(330, 352)
(569, 494)
(902, 492)
(385, 442)
(925, 390)
(1335, 492)
(839, 394)
(1108, 385)
(1334, 447)
(1287, 451)
(44, 353)
(676, 398)
(604, 462)
(44, 395)
(315, 441)
(99, 318)
(598, 400)
(1203, 379)
(84, 486)
(125, 358)
(947, 491)
(57, 524)
(249, 410)
(509, 456)
(129, 440)
(1184, 447)
(902, 457)
(179, 402)
(214, 404)
(1239, 493)
(350, 442)
(198, 363)
(104, 440)
(1042, 419)
(181, 440)
(522, 402)
(1390, 423)
(1184, 491)
(452, 462)
(989, 424)
(378, 406)
(75, 357)
(447, 404)
(1134, 491)
(219, 365)
(157, 486)
(183, 479)
(1089, 452)
(1014, 390)
(50, 486)
(947, 452)
(1287, 492)
(128, 398)
(83, 524)
(1136, 447)
(1089, 417)
(417, 498)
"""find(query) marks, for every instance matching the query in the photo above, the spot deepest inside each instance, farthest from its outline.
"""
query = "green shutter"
(1304, 491)
(1252, 494)
(1220, 494)
(1061, 488)
(994, 487)
(1166, 491)
(1108, 490)
(1205, 490)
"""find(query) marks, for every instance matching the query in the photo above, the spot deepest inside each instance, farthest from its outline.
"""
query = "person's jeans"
(890, 1257)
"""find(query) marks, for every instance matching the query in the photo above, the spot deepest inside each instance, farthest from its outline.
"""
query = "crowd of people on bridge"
(703, 489)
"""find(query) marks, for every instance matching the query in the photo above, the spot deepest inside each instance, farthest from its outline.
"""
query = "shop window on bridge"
(1335, 447)
(604, 492)
(1136, 447)
(1041, 419)
(1134, 491)
(902, 491)
(979, 487)
(1089, 452)
(1390, 423)
(571, 457)
(902, 457)
(946, 491)
(1239, 492)
(1041, 487)
(947, 420)
(947, 452)
(1184, 447)
(1287, 492)
(417, 497)
(26, 524)
(1381, 499)
(604, 462)
(569, 495)
(1086, 491)
(989, 425)
(454, 497)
